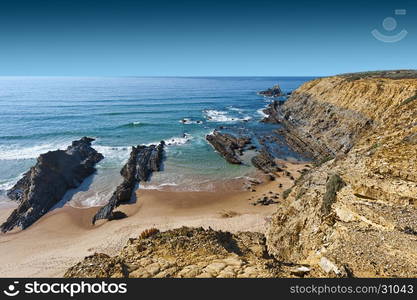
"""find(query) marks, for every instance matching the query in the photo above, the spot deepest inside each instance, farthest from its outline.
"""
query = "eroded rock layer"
(45, 184)
(228, 145)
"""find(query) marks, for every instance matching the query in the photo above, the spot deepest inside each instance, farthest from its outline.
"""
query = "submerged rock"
(228, 145)
(143, 161)
(45, 184)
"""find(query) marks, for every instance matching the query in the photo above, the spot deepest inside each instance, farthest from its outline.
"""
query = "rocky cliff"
(356, 212)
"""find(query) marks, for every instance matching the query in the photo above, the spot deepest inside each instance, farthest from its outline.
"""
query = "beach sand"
(65, 235)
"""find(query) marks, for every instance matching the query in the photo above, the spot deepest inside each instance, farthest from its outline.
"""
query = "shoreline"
(65, 235)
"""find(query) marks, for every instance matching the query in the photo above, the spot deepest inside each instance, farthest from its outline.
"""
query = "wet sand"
(65, 235)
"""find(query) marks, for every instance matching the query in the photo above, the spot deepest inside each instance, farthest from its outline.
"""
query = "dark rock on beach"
(275, 91)
(143, 161)
(228, 145)
(45, 184)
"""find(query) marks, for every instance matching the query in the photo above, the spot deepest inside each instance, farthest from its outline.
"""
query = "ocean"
(39, 114)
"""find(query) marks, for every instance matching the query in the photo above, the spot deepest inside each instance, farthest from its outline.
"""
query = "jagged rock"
(45, 184)
(228, 145)
(143, 161)
(265, 162)
(275, 91)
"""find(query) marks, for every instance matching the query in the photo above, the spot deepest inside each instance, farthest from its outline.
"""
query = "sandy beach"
(65, 235)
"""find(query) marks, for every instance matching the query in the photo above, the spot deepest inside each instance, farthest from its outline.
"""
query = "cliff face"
(357, 212)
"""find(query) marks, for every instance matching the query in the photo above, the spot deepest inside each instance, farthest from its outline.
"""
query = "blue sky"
(202, 38)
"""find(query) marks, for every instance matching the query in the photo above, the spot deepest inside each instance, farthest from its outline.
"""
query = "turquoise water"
(38, 114)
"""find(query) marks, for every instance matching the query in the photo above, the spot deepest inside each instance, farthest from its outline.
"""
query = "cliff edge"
(356, 212)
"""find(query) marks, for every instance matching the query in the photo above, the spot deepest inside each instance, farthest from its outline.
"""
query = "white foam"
(7, 185)
(176, 141)
(239, 110)
(222, 116)
(157, 187)
(261, 112)
(14, 152)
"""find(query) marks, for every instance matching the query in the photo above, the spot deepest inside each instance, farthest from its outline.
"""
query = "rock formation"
(275, 91)
(142, 162)
(228, 145)
(356, 210)
(184, 252)
(45, 184)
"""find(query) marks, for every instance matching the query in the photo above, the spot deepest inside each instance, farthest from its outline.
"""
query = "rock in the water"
(142, 162)
(275, 91)
(45, 184)
(228, 145)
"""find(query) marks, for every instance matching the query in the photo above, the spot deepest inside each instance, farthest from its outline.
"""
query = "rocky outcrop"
(143, 161)
(275, 91)
(355, 213)
(45, 184)
(228, 145)
(187, 253)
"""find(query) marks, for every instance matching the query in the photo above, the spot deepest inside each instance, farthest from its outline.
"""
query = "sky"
(204, 38)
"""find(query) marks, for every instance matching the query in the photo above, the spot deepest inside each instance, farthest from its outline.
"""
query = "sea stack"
(45, 184)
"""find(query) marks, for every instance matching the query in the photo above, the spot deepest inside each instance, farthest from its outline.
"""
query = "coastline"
(66, 235)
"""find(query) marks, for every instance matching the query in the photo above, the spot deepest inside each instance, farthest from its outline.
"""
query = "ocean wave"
(132, 124)
(8, 185)
(14, 152)
(222, 116)
(261, 112)
(147, 186)
(239, 110)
